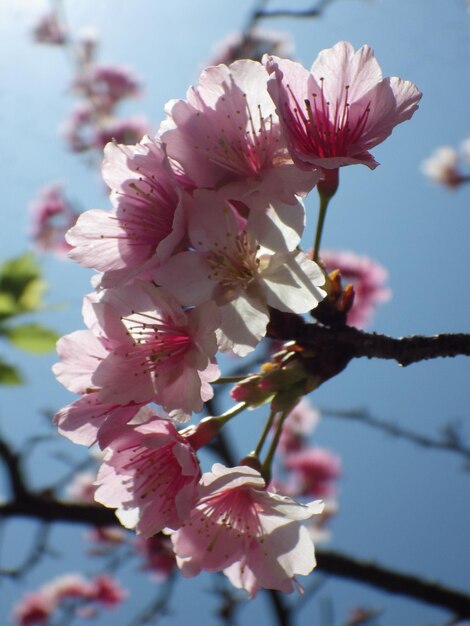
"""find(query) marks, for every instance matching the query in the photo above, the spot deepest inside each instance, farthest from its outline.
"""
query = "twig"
(393, 581)
(315, 11)
(36, 553)
(447, 443)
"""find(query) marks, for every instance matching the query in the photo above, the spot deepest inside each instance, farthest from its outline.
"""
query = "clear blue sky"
(399, 505)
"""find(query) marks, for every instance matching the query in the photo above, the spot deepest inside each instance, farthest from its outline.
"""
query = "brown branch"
(392, 581)
(450, 440)
(315, 11)
(330, 562)
(348, 342)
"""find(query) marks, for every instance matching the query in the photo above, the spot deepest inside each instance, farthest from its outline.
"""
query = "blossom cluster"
(201, 245)
(72, 592)
(99, 87)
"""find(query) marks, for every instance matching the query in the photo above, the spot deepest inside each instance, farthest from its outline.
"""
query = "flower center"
(322, 129)
(246, 145)
(234, 266)
(156, 339)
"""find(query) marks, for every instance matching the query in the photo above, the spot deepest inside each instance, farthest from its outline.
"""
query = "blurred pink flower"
(158, 555)
(297, 426)
(314, 471)
(38, 607)
(336, 112)
(128, 130)
(33, 609)
(50, 30)
(51, 215)
(251, 534)
(368, 279)
(106, 85)
(106, 591)
(444, 166)
(81, 488)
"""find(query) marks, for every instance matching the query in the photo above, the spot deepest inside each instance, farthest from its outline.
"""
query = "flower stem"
(324, 201)
(327, 188)
(267, 428)
(266, 469)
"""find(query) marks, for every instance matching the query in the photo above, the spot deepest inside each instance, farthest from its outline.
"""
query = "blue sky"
(399, 505)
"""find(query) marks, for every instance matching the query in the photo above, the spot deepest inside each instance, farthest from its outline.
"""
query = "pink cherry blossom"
(314, 470)
(88, 419)
(227, 132)
(150, 475)
(106, 591)
(444, 168)
(37, 608)
(51, 215)
(298, 425)
(158, 555)
(81, 488)
(146, 223)
(368, 279)
(129, 130)
(335, 113)
(50, 30)
(251, 534)
(106, 85)
(33, 609)
(229, 265)
(160, 352)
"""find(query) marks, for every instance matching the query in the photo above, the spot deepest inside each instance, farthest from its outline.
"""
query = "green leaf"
(32, 337)
(20, 279)
(9, 375)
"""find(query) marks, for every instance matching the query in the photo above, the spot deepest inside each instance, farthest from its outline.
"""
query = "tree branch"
(348, 342)
(314, 11)
(383, 578)
(450, 440)
(394, 582)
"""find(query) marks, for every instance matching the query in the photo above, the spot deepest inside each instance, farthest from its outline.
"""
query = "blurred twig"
(449, 441)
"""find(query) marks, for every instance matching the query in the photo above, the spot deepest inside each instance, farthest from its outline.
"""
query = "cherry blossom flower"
(146, 224)
(106, 591)
(368, 279)
(166, 352)
(129, 130)
(38, 607)
(251, 534)
(106, 85)
(33, 609)
(298, 425)
(150, 475)
(158, 555)
(87, 419)
(227, 132)
(50, 30)
(314, 471)
(81, 488)
(336, 112)
(230, 266)
(51, 215)
(444, 166)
